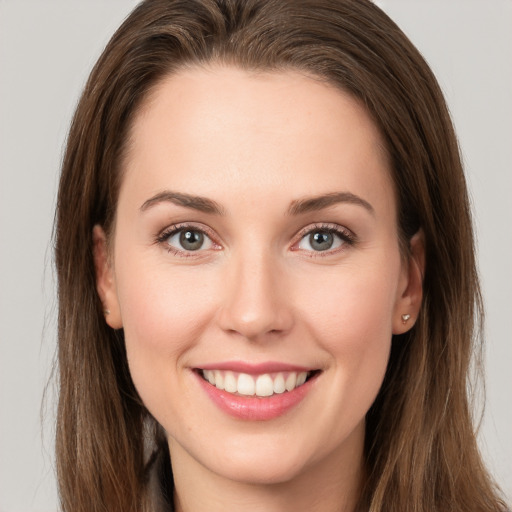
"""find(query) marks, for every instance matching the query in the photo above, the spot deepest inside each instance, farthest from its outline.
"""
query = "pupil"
(321, 241)
(191, 240)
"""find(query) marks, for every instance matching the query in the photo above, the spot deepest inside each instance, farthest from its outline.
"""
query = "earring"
(405, 318)
(106, 311)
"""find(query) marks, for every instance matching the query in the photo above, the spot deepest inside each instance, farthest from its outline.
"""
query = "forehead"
(221, 130)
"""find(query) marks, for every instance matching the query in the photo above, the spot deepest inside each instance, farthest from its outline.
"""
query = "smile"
(263, 385)
(256, 392)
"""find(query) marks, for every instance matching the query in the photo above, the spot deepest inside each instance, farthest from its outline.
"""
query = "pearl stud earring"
(405, 318)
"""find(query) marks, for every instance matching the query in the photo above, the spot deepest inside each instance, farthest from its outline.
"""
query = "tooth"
(208, 375)
(291, 380)
(279, 384)
(264, 385)
(301, 378)
(230, 382)
(246, 384)
(219, 379)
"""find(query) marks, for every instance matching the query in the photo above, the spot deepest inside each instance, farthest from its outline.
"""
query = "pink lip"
(255, 408)
(255, 369)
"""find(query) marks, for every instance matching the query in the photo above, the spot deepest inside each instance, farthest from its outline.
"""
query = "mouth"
(261, 385)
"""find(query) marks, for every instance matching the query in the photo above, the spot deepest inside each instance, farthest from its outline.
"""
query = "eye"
(184, 239)
(325, 238)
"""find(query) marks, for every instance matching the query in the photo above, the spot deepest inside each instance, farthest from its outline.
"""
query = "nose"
(255, 304)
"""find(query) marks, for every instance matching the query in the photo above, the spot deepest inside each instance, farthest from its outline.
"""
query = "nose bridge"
(255, 301)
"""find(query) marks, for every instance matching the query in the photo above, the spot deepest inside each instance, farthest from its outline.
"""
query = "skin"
(255, 144)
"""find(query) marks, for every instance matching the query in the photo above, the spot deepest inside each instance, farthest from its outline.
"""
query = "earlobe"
(105, 279)
(408, 304)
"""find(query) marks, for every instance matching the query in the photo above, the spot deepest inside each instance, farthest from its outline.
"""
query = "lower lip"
(253, 408)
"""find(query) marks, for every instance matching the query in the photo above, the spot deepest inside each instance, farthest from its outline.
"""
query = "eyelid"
(163, 235)
(349, 237)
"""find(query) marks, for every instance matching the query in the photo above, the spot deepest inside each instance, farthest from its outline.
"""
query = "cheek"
(164, 314)
(163, 306)
(355, 304)
(352, 322)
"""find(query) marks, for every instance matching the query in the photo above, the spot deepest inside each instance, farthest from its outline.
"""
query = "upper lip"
(255, 368)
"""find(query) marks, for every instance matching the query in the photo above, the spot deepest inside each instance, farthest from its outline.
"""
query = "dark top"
(161, 485)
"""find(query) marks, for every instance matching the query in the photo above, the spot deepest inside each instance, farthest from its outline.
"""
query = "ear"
(105, 279)
(410, 293)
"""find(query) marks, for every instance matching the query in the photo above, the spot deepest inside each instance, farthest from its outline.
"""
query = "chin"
(264, 459)
(262, 472)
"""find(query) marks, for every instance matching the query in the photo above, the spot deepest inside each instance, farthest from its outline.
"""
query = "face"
(256, 247)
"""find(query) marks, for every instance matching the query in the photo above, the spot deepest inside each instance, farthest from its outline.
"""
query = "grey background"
(47, 48)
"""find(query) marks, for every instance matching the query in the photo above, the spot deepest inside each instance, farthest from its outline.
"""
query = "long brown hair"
(421, 453)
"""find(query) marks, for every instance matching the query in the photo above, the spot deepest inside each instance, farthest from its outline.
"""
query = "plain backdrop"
(47, 49)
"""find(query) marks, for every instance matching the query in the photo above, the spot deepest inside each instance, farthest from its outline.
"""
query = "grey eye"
(320, 240)
(189, 240)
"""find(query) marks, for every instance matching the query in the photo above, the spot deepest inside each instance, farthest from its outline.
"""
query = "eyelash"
(346, 236)
(177, 228)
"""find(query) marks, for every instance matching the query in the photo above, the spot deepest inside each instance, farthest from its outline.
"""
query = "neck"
(331, 484)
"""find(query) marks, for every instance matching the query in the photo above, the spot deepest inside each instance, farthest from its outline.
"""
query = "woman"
(266, 269)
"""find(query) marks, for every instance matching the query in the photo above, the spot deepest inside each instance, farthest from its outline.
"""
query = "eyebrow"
(297, 207)
(310, 204)
(202, 204)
